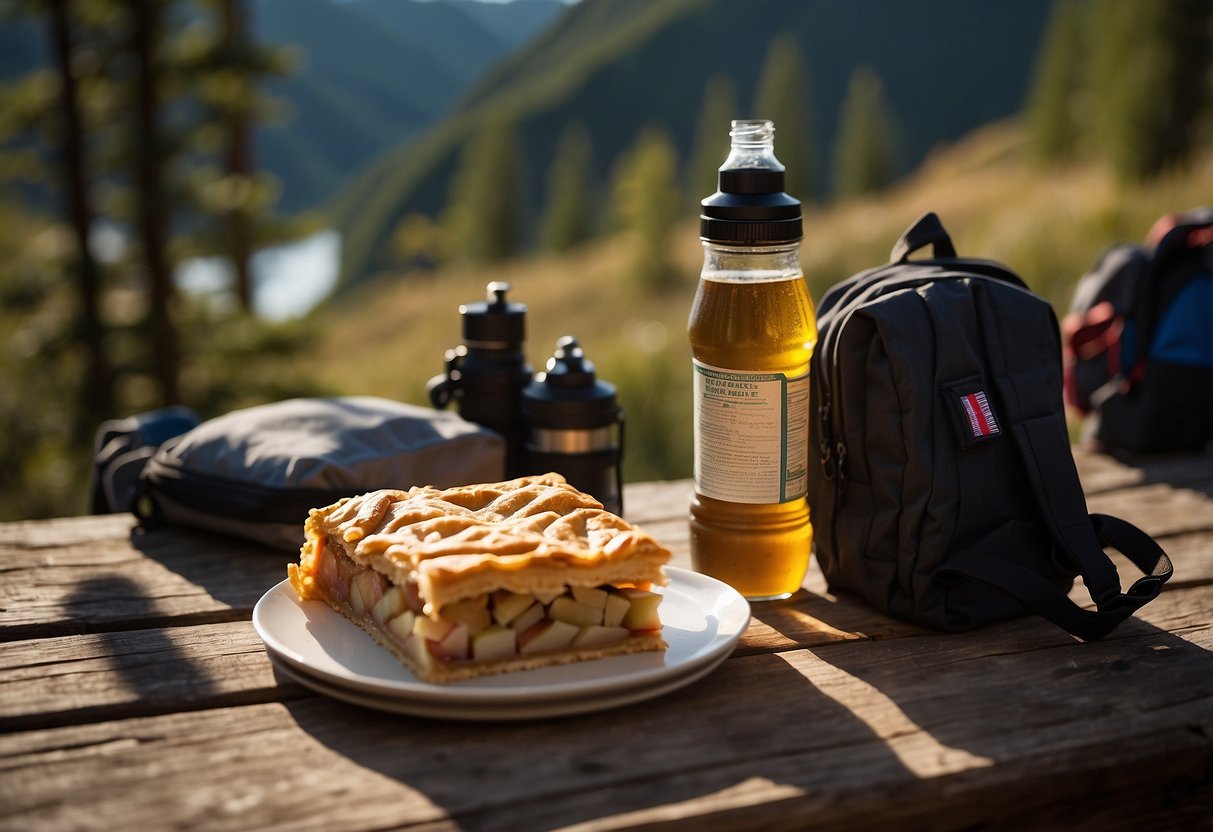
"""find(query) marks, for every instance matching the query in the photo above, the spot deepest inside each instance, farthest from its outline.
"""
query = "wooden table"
(135, 695)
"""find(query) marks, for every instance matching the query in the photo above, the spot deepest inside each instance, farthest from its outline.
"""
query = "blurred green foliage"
(645, 201)
(864, 151)
(626, 295)
(484, 217)
(716, 114)
(570, 215)
(1127, 81)
(139, 139)
(784, 97)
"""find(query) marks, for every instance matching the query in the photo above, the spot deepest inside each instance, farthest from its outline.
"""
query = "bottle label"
(751, 435)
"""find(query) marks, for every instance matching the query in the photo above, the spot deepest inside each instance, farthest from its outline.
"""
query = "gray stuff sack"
(255, 473)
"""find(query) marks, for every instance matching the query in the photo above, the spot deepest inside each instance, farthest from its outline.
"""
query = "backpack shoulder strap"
(927, 230)
(1028, 378)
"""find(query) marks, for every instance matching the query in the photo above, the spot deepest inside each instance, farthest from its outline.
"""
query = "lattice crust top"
(524, 534)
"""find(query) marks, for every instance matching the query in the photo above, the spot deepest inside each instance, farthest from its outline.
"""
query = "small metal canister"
(575, 425)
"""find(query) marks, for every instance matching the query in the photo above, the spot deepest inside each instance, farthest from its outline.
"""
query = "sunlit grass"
(388, 337)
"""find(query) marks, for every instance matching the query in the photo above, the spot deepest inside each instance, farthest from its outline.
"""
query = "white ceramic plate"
(517, 710)
(702, 621)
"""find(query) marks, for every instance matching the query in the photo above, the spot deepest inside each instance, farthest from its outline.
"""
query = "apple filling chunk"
(491, 627)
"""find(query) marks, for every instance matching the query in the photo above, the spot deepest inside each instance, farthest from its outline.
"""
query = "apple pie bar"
(462, 582)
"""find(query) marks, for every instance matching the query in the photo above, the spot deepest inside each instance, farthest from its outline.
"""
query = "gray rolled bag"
(255, 473)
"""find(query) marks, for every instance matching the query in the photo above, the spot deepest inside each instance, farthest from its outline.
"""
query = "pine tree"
(645, 198)
(1053, 125)
(118, 135)
(416, 243)
(149, 167)
(567, 221)
(1150, 80)
(783, 97)
(99, 378)
(718, 109)
(234, 200)
(864, 149)
(484, 216)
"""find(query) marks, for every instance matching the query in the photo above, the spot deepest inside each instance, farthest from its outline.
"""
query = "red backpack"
(1138, 340)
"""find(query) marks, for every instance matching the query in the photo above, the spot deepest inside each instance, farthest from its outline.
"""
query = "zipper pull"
(827, 451)
(840, 483)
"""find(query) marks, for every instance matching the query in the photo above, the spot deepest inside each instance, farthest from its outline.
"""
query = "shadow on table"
(1106, 734)
(1192, 471)
(1013, 726)
(234, 571)
(754, 726)
(154, 670)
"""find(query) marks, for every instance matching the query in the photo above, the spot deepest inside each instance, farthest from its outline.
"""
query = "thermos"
(575, 425)
(485, 375)
(565, 419)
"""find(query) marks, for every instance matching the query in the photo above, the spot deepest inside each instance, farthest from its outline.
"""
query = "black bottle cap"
(750, 219)
(750, 207)
(568, 396)
(495, 322)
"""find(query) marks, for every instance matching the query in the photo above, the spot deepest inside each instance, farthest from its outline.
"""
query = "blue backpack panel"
(1139, 341)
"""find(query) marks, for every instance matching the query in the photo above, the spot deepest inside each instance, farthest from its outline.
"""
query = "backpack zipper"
(222, 496)
(832, 448)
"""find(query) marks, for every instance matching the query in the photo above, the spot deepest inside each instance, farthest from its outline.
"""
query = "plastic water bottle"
(752, 330)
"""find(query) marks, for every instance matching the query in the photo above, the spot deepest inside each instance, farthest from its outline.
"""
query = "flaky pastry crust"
(531, 535)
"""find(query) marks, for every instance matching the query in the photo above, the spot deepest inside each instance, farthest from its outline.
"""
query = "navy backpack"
(1138, 341)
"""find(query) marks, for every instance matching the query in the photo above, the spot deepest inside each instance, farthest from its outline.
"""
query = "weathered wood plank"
(84, 678)
(648, 502)
(65, 531)
(1159, 509)
(982, 721)
(73, 582)
(85, 574)
(89, 678)
(112, 586)
(1101, 472)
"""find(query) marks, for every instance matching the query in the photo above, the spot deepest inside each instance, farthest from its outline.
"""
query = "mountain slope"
(513, 23)
(469, 37)
(616, 66)
(374, 74)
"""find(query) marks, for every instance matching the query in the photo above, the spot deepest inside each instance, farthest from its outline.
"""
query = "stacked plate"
(310, 643)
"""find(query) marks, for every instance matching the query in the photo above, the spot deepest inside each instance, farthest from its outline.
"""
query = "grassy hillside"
(387, 336)
(617, 67)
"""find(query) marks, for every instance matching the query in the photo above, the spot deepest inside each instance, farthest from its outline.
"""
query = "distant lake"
(288, 280)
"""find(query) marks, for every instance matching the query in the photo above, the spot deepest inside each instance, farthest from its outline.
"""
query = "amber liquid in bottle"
(752, 314)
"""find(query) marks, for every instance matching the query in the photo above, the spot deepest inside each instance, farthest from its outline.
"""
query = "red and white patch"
(981, 417)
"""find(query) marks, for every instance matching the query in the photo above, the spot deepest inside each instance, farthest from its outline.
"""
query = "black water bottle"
(485, 375)
(574, 426)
